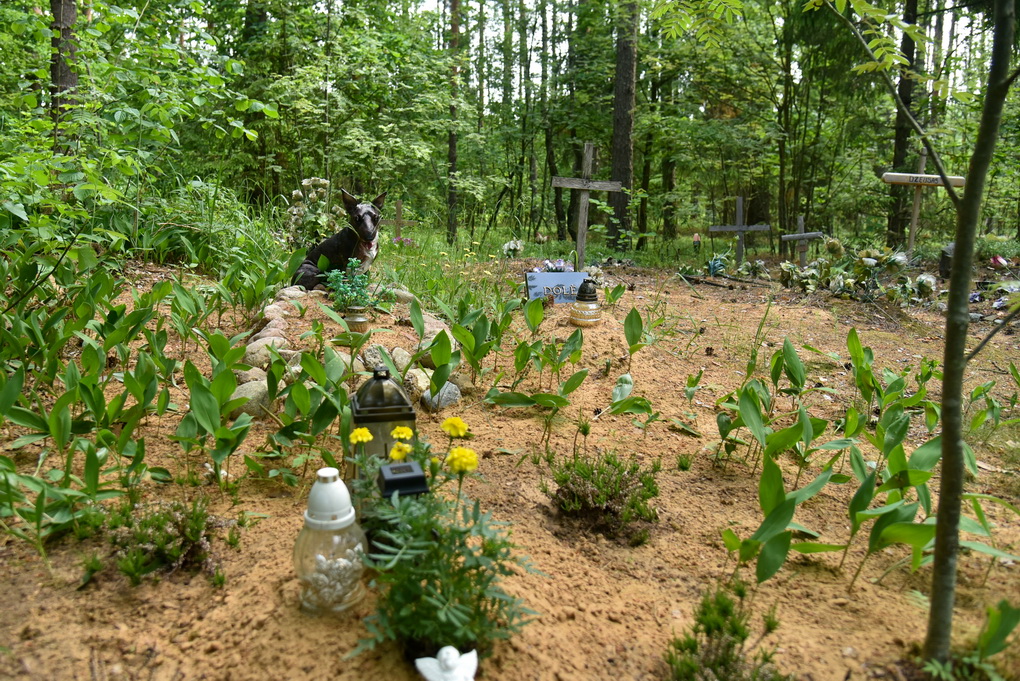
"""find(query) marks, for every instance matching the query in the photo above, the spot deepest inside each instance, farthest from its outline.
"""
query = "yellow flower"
(359, 435)
(491, 255)
(455, 427)
(477, 243)
(443, 253)
(462, 460)
(402, 433)
(400, 451)
(435, 460)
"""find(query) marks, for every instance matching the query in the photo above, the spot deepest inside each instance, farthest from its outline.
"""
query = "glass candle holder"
(586, 310)
(327, 553)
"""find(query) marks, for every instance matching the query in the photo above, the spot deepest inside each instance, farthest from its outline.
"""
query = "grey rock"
(448, 396)
(400, 295)
(432, 328)
(373, 355)
(401, 357)
(275, 311)
(268, 333)
(291, 293)
(290, 356)
(416, 383)
(975, 317)
(257, 393)
(253, 374)
(464, 382)
(278, 323)
(257, 352)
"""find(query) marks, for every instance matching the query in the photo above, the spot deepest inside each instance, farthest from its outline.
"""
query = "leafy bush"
(437, 557)
(605, 490)
(165, 536)
(714, 647)
(349, 286)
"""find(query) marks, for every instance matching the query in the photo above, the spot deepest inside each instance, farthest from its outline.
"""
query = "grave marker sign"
(585, 184)
(919, 181)
(398, 220)
(802, 238)
(740, 228)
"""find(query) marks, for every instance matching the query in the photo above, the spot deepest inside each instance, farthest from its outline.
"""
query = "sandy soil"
(606, 609)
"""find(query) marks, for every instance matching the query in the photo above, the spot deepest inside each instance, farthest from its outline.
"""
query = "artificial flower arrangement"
(513, 248)
(558, 265)
(438, 559)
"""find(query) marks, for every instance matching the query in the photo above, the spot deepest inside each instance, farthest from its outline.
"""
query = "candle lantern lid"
(381, 399)
(329, 502)
(586, 292)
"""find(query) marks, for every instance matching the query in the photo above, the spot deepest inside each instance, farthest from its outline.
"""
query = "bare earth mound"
(606, 610)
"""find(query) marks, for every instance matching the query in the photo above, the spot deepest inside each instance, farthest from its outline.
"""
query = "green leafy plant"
(165, 536)
(716, 645)
(349, 286)
(604, 490)
(439, 560)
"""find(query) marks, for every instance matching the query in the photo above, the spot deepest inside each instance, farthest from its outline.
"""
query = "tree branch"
(984, 341)
(891, 87)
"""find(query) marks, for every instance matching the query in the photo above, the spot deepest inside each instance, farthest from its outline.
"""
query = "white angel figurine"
(448, 665)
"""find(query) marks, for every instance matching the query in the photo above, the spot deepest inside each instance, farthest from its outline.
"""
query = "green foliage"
(164, 536)
(439, 562)
(715, 646)
(605, 491)
(349, 286)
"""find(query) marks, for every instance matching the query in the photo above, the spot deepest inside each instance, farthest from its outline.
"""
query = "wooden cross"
(398, 220)
(585, 184)
(740, 228)
(802, 238)
(918, 182)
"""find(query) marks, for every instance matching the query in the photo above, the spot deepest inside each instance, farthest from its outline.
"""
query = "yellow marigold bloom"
(462, 460)
(402, 433)
(455, 427)
(359, 435)
(435, 460)
(400, 451)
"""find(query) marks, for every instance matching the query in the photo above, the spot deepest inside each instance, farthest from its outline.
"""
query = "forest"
(738, 464)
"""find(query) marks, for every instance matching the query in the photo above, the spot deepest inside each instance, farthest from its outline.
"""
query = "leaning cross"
(585, 184)
(802, 238)
(398, 220)
(918, 182)
(740, 228)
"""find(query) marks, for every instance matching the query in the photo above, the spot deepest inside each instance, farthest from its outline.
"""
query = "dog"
(359, 239)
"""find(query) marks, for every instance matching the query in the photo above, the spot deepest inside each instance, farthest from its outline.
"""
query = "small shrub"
(605, 490)
(714, 647)
(349, 286)
(165, 536)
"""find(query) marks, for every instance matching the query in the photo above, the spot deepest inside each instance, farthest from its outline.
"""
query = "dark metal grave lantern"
(380, 405)
(585, 310)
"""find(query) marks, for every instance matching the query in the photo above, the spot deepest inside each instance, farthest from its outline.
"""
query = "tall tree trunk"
(623, 123)
(63, 76)
(899, 213)
(668, 187)
(451, 197)
(947, 527)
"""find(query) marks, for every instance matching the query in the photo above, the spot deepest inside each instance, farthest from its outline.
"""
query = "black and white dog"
(359, 239)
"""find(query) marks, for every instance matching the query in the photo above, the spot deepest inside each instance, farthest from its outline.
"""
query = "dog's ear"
(350, 203)
(378, 201)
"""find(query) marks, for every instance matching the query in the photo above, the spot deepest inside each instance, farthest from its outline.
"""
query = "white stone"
(257, 393)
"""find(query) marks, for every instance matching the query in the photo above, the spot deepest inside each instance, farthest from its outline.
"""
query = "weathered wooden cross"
(802, 238)
(918, 182)
(398, 220)
(740, 228)
(585, 184)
